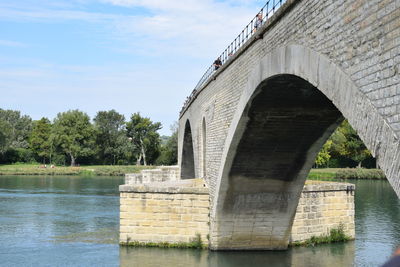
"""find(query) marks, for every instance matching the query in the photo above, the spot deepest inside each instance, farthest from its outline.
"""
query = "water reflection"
(324, 255)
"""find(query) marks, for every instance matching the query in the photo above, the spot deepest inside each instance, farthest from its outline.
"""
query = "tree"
(143, 134)
(324, 155)
(40, 140)
(169, 149)
(20, 128)
(346, 146)
(111, 137)
(74, 134)
(353, 148)
(15, 132)
(5, 130)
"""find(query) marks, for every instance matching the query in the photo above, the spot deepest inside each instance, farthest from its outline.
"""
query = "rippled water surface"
(70, 221)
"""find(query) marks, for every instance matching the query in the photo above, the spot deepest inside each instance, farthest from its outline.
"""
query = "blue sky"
(127, 55)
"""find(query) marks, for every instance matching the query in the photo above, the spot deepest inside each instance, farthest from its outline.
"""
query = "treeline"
(345, 149)
(72, 139)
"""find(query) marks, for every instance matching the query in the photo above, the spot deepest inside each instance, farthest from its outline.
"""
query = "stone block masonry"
(323, 206)
(161, 174)
(176, 212)
(172, 212)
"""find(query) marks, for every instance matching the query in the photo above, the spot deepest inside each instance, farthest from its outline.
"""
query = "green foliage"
(19, 128)
(74, 134)
(14, 132)
(111, 140)
(324, 155)
(360, 173)
(72, 138)
(348, 143)
(145, 138)
(343, 146)
(40, 141)
(335, 235)
(169, 150)
(5, 130)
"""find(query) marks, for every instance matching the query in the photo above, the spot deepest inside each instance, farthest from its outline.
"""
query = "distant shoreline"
(346, 173)
(90, 170)
(121, 170)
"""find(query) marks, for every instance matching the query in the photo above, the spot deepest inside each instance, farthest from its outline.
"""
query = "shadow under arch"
(187, 168)
(294, 100)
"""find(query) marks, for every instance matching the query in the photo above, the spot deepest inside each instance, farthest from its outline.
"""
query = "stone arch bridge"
(252, 130)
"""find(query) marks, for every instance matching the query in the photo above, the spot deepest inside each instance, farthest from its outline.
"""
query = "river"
(73, 221)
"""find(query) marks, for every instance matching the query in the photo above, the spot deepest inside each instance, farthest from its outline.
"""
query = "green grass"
(335, 235)
(345, 173)
(195, 243)
(92, 170)
(322, 174)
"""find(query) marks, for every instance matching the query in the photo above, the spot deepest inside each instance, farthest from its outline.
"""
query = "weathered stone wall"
(323, 206)
(161, 174)
(171, 212)
(347, 49)
(176, 212)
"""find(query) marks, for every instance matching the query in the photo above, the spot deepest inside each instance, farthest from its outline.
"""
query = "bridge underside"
(283, 127)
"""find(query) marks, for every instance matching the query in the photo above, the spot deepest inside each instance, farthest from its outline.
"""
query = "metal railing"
(266, 11)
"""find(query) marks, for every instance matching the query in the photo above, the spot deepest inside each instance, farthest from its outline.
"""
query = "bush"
(335, 235)
(360, 173)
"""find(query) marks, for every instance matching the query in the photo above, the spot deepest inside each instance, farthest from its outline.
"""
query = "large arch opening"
(187, 168)
(282, 129)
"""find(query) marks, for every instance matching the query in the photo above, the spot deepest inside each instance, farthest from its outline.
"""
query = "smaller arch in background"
(187, 168)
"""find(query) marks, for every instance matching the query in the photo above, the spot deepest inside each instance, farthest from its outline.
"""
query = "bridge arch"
(254, 204)
(187, 164)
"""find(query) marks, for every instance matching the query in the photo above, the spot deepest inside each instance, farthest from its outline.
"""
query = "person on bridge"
(258, 22)
(217, 63)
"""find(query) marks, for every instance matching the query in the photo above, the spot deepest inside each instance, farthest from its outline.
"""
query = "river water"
(73, 221)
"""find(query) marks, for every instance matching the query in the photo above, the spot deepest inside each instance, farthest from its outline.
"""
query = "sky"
(95, 55)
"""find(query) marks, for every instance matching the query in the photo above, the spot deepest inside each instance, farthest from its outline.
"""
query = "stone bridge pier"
(253, 130)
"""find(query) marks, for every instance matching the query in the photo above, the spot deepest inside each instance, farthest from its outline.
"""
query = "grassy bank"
(94, 170)
(195, 243)
(345, 173)
(335, 235)
(120, 170)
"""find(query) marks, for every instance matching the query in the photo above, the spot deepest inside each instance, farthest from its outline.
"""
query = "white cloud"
(182, 37)
(188, 27)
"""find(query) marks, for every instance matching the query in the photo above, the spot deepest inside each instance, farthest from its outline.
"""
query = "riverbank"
(92, 170)
(346, 173)
(121, 170)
